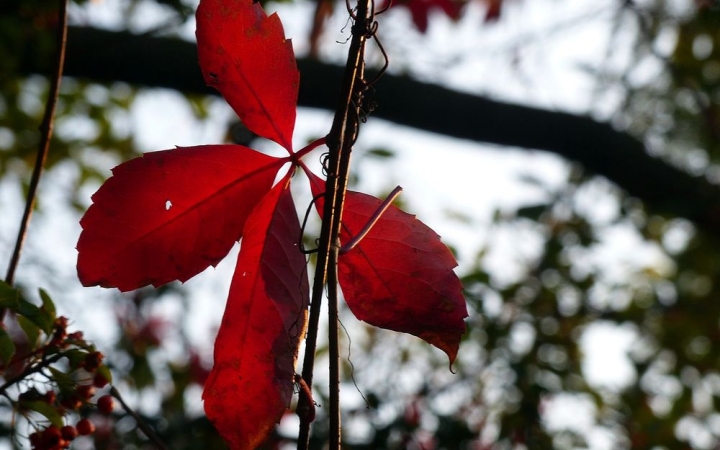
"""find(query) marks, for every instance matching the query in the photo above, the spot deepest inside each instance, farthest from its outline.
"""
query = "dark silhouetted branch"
(107, 56)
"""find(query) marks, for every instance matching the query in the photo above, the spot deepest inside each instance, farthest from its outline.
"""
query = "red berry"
(60, 330)
(36, 439)
(105, 404)
(71, 403)
(51, 436)
(58, 336)
(69, 432)
(86, 391)
(85, 427)
(76, 336)
(100, 381)
(93, 360)
(61, 322)
(50, 397)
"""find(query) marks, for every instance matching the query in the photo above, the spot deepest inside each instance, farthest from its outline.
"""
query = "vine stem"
(46, 128)
(339, 141)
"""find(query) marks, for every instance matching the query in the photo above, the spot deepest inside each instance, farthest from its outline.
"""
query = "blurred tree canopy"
(655, 157)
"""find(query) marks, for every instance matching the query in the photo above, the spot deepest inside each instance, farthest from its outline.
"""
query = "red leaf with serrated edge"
(168, 215)
(243, 54)
(400, 276)
(251, 383)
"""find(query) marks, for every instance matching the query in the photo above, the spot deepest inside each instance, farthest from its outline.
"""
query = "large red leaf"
(400, 276)
(243, 53)
(251, 383)
(169, 215)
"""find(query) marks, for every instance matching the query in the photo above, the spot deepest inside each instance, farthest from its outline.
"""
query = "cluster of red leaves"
(168, 215)
(420, 10)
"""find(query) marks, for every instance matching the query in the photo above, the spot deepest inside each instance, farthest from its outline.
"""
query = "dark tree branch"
(46, 130)
(165, 62)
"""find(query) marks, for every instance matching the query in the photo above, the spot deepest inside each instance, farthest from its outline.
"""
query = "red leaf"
(420, 10)
(251, 384)
(494, 8)
(243, 53)
(169, 215)
(400, 275)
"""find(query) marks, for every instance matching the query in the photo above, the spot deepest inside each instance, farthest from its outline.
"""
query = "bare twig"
(29, 371)
(46, 128)
(154, 438)
(372, 221)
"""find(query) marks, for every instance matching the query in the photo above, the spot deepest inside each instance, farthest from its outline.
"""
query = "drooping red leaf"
(169, 215)
(243, 53)
(400, 276)
(251, 383)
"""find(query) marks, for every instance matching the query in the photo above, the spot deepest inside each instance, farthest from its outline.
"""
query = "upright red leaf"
(243, 53)
(251, 383)
(169, 215)
(400, 277)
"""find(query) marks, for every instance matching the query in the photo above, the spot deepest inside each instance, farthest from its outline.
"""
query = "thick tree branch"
(165, 62)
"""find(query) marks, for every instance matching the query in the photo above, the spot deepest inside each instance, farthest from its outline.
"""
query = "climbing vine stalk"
(339, 141)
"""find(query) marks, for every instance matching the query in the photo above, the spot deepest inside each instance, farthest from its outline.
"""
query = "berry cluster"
(71, 392)
(57, 372)
(54, 437)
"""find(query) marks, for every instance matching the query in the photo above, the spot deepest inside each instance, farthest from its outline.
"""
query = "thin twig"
(154, 438)
(339, 141)
(372, 221)
(29, 371)
(46, 128)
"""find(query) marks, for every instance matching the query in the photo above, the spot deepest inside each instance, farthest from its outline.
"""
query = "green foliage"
(676, 109)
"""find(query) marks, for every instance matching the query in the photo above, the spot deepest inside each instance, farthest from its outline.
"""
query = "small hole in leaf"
(168, 205)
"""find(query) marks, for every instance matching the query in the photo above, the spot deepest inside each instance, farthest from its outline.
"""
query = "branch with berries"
(53, 378)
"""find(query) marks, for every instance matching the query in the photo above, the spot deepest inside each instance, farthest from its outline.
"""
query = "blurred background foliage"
(523, 358)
